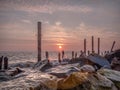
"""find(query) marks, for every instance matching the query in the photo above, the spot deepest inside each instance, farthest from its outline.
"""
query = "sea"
(23, 57)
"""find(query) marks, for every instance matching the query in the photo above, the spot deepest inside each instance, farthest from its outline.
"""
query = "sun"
(60, 47)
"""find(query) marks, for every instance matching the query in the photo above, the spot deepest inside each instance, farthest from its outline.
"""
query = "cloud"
(87, 30)
(58, 23)
(20, 16)
(56, 33)
(15, 31)
(50, 7)
(26, 21)
(46, 22)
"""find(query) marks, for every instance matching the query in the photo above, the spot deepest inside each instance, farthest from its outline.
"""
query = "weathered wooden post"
(72, 55)
(92, 44)
(81, 53)
(102, 54)
(5, 63)
(59, 57)
(1, 60)
(76, 55)
(63, 53)
(112, 46)
(85, 46)
(105, 52)
(88, 52)
(108, 52)
(39, 41)
(47, 55)
(98, 46)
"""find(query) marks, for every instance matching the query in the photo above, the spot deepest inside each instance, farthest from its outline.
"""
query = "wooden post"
(88, 52)
(76, 55)
(1, 60)
(108, 52)
(5, 63)
(63, 53)
(92, 44)
(39, 41)
(105, 52)
(59, 57)
(47, 55)
(102, 54)
(112, 46)
(98, 46)
(72, 54)
(81, 53)
(85, 46)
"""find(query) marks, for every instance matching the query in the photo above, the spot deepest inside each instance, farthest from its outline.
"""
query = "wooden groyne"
(74, 54)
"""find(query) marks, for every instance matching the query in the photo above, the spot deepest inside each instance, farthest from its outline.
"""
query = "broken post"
(81, 53)
(59, 57)
(112, 46)
(72, 55)
(1, 60)
(63, 53)
(76, 55)
(105, 52)
(88, 52)
(92, 44)
(39, 41)
(98, 46)
(5, 63)
(47, 55)
(85, 46)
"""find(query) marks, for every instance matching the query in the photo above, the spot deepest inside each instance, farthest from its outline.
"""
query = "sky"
(65, 23)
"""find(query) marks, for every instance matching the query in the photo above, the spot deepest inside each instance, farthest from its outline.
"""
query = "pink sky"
(64, 22)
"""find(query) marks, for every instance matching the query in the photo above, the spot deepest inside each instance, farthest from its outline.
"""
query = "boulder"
(87, 68)
(112, 75)
(62, 71)
(73, 80)
(86, 81)
(4, 77)
(34, 81)
(98, 60)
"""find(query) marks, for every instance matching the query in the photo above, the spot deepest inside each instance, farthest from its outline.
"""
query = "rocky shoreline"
(85, 73)
(32, 79)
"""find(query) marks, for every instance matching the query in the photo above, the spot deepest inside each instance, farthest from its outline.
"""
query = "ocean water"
(18, 57)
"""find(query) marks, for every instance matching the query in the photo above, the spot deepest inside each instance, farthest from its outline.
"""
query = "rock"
(113, 54)
(72, 81)
(42, 65)
(34, 81)
(86, 81)
(44, 79)
(87, 68)
(112, 75)
(4, 77)
(62, 71)
(23, 64)
(115, 64)
(99, 82)
(98, 60)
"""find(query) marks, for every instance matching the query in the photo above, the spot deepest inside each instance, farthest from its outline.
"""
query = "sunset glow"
(65, 24)
(60, 47)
